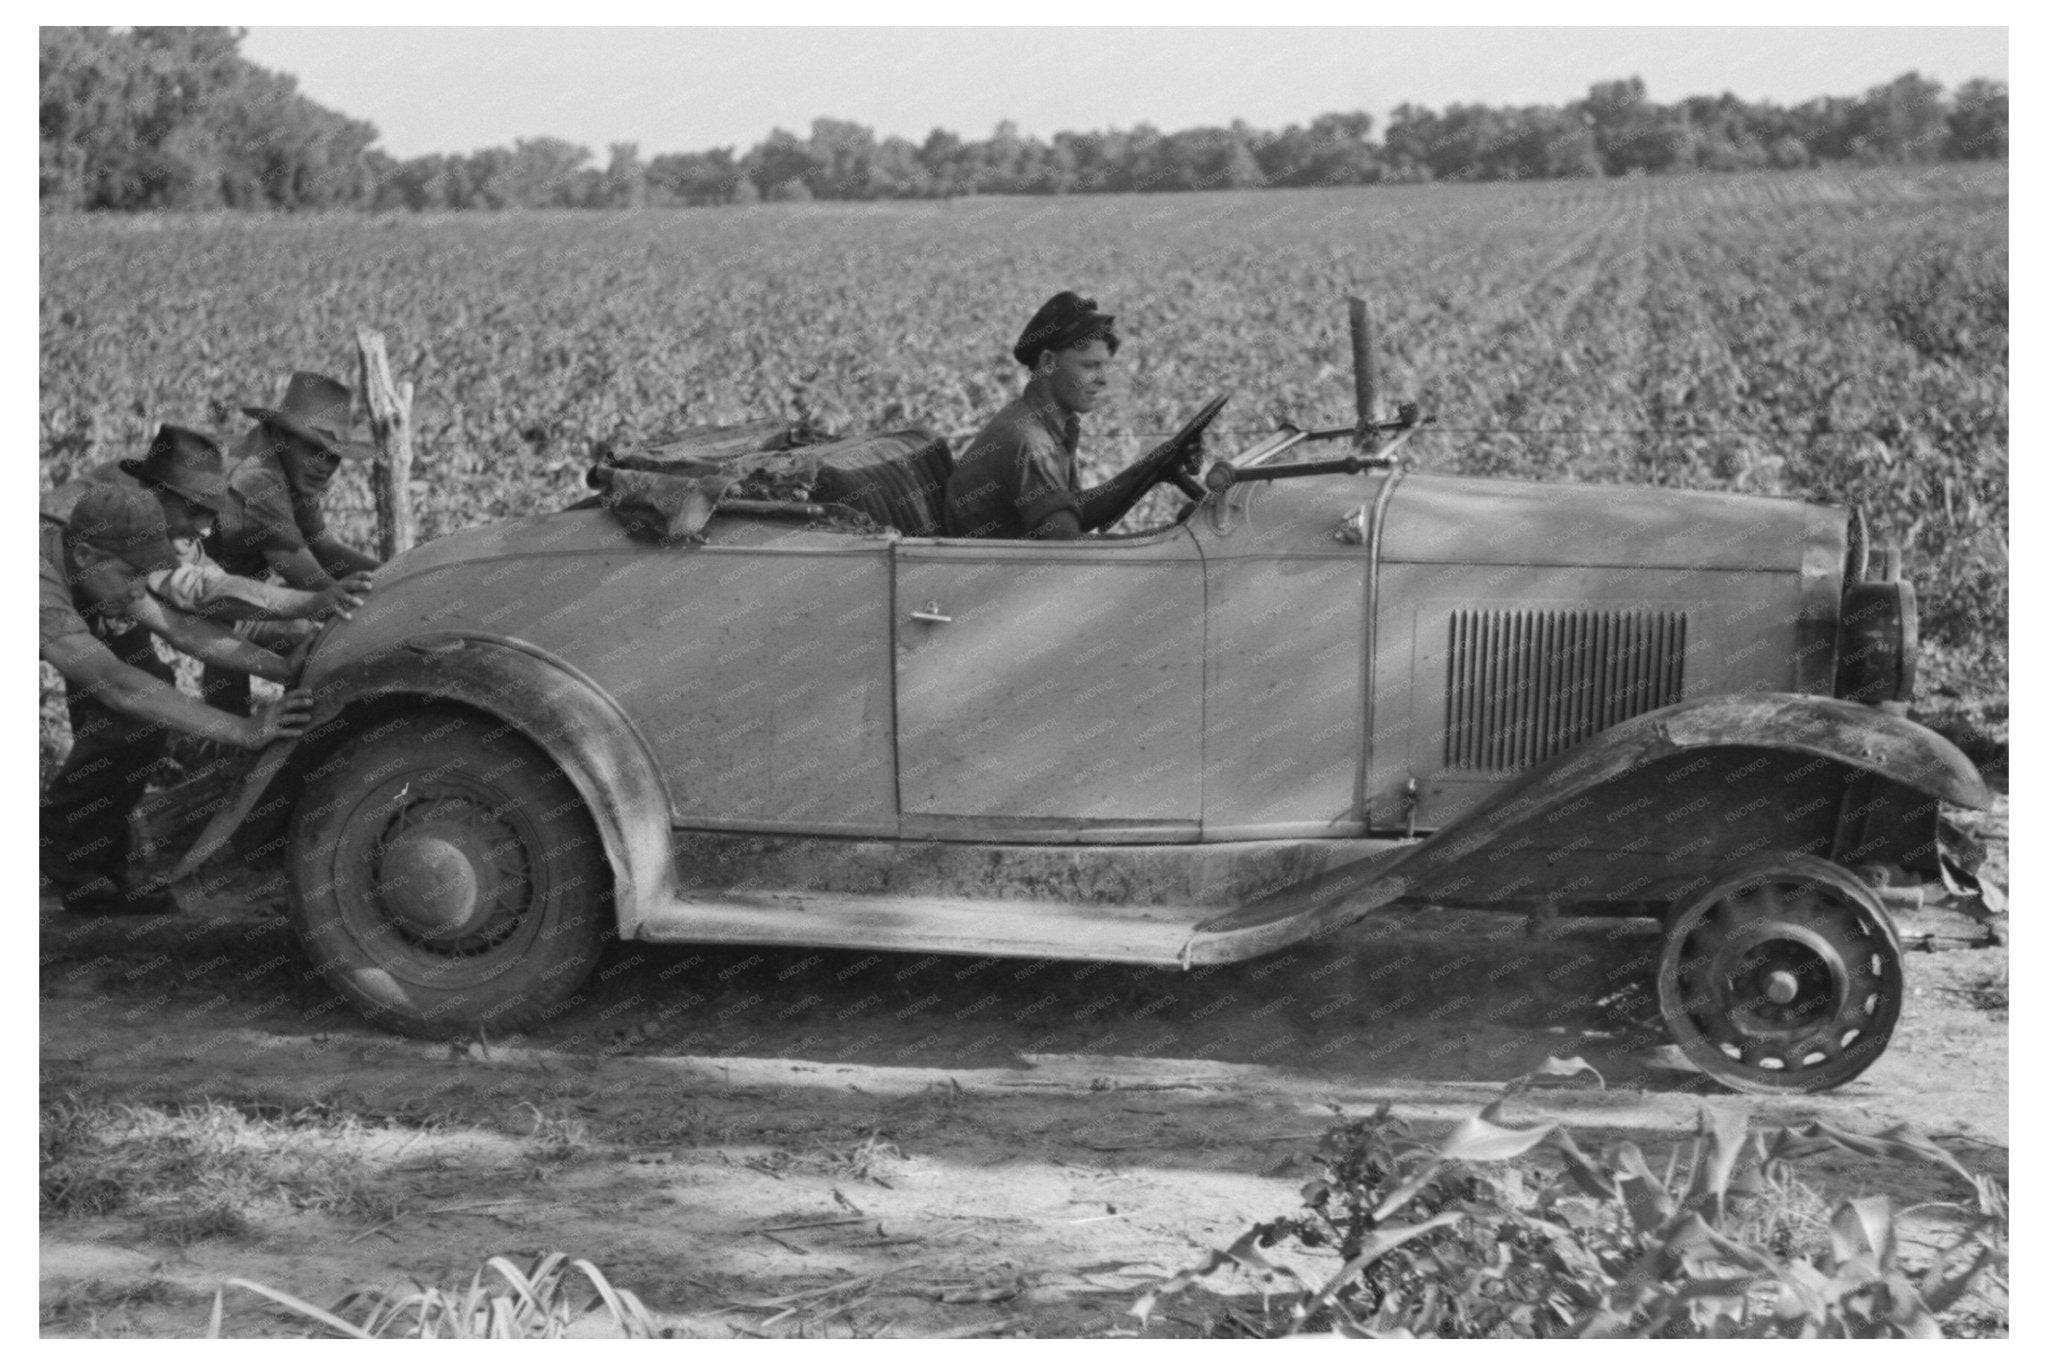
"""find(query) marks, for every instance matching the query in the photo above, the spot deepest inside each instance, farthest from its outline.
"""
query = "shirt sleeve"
(311, 522)
(206, 589)
(58, 615)
(1043, 486)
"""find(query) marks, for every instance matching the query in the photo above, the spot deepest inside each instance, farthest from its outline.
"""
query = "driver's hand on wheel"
(1166, 461)
(285, 718)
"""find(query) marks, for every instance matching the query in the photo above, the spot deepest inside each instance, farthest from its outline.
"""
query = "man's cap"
(1066, 319)
(187, 463)
(125, 522)
(317, 409)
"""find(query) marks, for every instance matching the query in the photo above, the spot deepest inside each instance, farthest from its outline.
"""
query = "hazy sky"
(685, 89)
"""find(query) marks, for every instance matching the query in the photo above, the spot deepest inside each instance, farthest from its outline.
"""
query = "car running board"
(1165, 935)
(931, 924)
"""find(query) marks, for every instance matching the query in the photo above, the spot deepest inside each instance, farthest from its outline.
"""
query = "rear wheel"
(447, 877)
(1785, 977)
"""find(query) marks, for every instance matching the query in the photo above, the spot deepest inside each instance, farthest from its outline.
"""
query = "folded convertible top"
(669, 492)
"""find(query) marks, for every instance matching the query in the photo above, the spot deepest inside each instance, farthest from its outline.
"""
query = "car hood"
(579, 532)
(1439, 519)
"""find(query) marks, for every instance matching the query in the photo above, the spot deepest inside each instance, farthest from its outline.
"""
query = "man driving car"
(1018, 478)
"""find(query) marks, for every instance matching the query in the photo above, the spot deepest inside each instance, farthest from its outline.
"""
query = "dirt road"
(824, 1143)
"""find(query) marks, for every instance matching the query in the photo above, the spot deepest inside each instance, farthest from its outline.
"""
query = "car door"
(1289, 567)
(1050, 690)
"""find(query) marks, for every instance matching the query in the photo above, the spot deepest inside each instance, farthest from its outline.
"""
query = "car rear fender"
(544, 699)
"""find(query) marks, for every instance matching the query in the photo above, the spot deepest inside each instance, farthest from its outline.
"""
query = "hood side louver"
(1525, 685)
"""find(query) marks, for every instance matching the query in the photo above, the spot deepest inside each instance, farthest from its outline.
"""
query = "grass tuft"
(502, 1299)
(195, 1172)
(98, 1307)
(557, 1137)
(219, 1220)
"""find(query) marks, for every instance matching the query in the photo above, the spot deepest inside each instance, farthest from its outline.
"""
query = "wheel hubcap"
(451, 874)
(429, 883)
(1781, 987)
(1779, 980)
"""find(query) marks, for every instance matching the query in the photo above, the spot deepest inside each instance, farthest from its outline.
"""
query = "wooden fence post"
(390, 406)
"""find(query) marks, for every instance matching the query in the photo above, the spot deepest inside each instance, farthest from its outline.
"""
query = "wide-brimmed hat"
(187, 463)
(125, 522)
(316, 409)
(1066, 319)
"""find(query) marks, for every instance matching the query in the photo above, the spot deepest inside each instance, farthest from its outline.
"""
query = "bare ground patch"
(793, 1143)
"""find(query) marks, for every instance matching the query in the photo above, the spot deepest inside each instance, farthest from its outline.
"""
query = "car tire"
(1784, 977)
(447, 878)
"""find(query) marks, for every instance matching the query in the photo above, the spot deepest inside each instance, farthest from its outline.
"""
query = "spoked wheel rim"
(441, 879)
(1784, 980)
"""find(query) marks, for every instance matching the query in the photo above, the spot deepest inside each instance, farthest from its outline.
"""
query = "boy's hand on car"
(285, 718)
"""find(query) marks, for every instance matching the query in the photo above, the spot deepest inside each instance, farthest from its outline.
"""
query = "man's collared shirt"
(1018, 471)
(262, 514)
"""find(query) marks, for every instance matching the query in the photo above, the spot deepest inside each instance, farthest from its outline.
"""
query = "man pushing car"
(95, 568)
(183, 468)
(271, 521)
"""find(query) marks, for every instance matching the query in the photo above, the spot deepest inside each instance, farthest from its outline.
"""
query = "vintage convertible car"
(1329, 687)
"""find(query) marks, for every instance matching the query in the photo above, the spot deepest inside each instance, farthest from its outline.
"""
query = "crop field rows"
(1829, 335)
(768, 1138)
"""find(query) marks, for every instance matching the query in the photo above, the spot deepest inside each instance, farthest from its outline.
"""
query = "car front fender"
(1595, 793)
(1636, 814)
(1859, 736)
(542, 698)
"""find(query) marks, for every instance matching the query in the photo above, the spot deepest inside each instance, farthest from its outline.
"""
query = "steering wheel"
(1177, 447)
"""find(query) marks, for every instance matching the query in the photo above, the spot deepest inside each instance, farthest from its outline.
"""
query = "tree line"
(176, 118)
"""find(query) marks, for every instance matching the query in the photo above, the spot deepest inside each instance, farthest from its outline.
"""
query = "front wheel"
(1784, 977)
(446, 877)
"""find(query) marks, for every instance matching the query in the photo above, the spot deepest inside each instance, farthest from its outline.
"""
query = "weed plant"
(1467, 1238)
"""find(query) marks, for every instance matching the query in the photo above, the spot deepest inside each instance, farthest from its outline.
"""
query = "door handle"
(930, 612)
(1351, 529)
